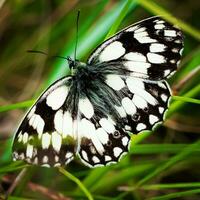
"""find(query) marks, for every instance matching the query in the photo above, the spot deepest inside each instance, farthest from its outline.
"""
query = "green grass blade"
(146, 149)
(23, 104)
(172, 161)
(186, 99)
(178, 104)
(106, 183)
(127, 6)
(177, 195)
(158, 10)
(170, 186)
(77, 181)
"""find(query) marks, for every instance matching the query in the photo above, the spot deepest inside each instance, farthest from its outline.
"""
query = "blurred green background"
(163, 164)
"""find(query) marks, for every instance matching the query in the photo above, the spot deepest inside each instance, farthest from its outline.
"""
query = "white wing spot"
(140, 67)
(84, 154)
(107, 158)
(136, 86)
(161, 110)
(46, 140)
(145, 40)
(58, 121)
(131, 29)
(32, 111)
(56, 158)
(107, 125)
(45, 165)
(125, 141)
(127, 128)
(156, 47)
(167, 72)
(35, 161)
(155, 58)
(56, 141)
(95, 159)
(67, 127)
(121, 111)
(159, 26)
(139, 101)
(40, 125)
(138, 57)
(29, 151)
(164, 97)
(153, 119)
(25, 137)
(45, 159)
(140, 30)
(115, 82)
(20, 137)
(140, 34)
(161, 84)
(102, 135)
(117, 151)
(57, 97)
(86, 107)
(21, 156)
(140, 127)
(128, 106)
(68, 155)
(113, 51)
(170, 33)
(57, 165)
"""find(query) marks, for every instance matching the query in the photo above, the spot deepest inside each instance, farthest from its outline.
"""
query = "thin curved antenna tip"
(46, 54)
(77, 25)
(36, 51)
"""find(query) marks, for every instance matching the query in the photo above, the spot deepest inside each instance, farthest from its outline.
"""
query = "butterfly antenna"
(46, 54)
(77, 21)
(35, 51)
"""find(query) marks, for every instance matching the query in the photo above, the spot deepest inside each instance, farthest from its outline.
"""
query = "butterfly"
(120, 90)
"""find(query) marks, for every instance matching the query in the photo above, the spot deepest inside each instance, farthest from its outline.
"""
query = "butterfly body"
(122, 88)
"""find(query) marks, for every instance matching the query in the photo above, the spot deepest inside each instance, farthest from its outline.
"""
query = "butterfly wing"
(131, 94)
(113, 108)
(47, 135)
(150, 49)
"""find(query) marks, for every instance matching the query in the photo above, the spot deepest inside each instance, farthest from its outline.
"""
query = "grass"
(162, 164)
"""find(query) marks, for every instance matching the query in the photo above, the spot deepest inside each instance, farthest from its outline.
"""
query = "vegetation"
(163, 164)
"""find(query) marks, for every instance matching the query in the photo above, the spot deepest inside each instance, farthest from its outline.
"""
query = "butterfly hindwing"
(150, 49)
(101, 140)
(45, 136)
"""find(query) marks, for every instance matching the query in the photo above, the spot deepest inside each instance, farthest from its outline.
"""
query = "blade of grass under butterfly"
(170, 162)
(177, 195)
(170, 186)
(77, 181)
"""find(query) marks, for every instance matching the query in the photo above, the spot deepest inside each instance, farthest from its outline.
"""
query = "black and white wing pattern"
(122, 89)
(47, 135)
(133, 93)
(150, 49)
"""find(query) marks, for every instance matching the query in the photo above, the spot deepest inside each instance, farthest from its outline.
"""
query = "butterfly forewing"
(46, 135)
(150, 49)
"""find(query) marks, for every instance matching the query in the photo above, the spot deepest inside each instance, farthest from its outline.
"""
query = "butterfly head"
(72, 63)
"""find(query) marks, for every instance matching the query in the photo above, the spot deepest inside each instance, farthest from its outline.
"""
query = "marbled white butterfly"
(121, 89)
